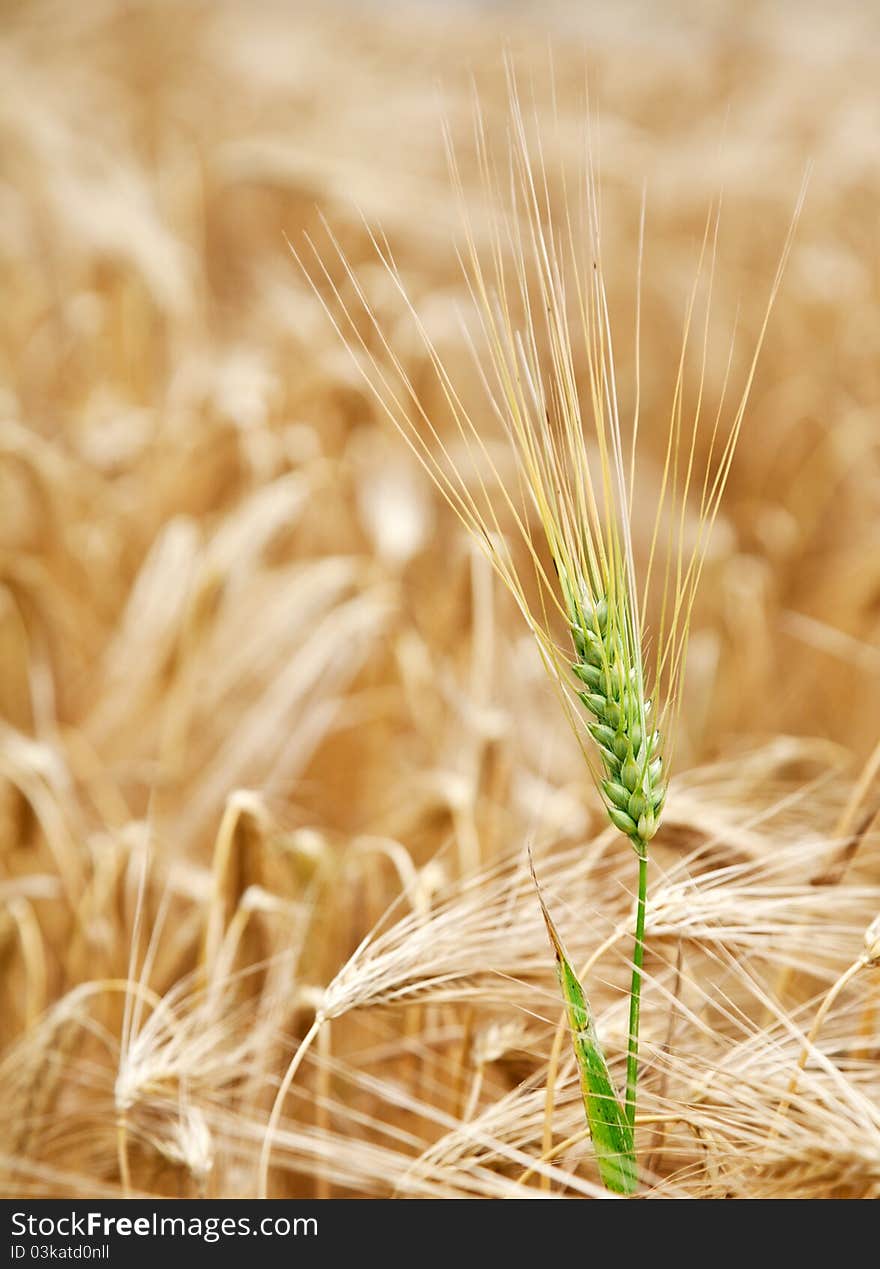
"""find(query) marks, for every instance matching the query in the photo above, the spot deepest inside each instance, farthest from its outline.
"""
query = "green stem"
(635, 992)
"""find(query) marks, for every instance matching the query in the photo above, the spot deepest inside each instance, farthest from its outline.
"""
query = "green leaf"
(613, 1138)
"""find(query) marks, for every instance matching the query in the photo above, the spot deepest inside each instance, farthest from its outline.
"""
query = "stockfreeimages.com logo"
(209, 1229)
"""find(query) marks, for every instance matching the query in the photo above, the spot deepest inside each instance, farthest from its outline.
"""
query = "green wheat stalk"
(537, 284)
(609, 664)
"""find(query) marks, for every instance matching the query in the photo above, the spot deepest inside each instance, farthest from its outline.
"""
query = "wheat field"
(274, 742)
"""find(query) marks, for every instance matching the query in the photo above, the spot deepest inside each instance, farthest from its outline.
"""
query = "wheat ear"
(608, 664)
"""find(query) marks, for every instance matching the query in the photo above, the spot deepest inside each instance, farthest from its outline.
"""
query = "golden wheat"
(273, 737)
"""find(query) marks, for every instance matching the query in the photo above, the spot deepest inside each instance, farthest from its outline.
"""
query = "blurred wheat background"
(273, 741)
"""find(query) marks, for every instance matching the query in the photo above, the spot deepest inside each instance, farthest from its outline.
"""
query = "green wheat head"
(610, 672)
